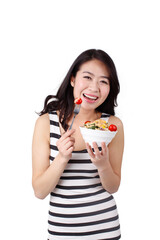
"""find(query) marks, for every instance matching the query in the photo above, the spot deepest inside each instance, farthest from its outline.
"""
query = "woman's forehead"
(94, 66)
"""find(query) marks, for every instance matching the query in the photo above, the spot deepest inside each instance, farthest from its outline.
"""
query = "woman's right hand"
(65, 145)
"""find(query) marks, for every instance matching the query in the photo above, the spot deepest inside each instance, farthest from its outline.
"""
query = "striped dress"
(80, 208)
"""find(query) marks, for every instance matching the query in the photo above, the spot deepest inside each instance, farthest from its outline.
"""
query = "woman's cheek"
(105, 92)
(81, 86)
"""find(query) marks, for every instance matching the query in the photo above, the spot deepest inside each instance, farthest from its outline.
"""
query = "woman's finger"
(104, 148)
(70, 150)
(67, 134)
(64, 141)
(97, 152)
(68, 145)
(89, 149)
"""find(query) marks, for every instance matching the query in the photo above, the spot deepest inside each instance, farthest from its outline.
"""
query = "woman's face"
(91, 84)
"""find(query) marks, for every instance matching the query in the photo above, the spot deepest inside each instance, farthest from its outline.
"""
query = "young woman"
(80, 179)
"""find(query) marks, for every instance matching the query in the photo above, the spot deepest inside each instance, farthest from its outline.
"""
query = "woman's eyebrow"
(88, 73)
(93, 75)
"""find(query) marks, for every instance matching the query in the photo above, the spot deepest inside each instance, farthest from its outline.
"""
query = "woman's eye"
(87, 77)
(105, 82)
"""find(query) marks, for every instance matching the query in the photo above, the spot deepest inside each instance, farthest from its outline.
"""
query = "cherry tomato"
(112, 128)
(78, 101)
(87, 122)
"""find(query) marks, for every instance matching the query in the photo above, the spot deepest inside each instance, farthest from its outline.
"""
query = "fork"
(76, 111)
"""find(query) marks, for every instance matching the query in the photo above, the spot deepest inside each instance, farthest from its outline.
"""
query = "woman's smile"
(90, 98)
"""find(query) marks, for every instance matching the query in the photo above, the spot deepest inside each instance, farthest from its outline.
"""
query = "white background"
(38, 43)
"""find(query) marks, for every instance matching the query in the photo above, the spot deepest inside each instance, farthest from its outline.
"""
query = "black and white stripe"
(79, 206)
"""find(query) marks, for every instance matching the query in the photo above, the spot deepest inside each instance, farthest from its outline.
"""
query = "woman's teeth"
(90, 97)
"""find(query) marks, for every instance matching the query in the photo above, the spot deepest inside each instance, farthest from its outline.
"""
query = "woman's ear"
(72, 81)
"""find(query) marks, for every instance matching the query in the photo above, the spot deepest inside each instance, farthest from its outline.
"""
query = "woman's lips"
(90, 98)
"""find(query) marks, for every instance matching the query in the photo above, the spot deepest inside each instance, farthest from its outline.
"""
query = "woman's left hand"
(99, 158)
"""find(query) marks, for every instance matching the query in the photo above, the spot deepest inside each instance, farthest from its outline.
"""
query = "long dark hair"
(64, 100)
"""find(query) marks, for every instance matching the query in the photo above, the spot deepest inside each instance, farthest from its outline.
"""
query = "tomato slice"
(78, 101)
(87, 122)
(112, 128)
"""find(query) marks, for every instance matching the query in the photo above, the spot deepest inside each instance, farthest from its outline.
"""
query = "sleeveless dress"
(80, 208)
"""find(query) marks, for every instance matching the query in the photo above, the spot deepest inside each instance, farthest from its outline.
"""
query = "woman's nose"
(94, 86)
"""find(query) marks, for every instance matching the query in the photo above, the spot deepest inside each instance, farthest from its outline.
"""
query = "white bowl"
(98, 136)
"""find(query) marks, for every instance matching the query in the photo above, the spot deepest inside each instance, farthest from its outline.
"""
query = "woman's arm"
(109, 160)
(45, 175)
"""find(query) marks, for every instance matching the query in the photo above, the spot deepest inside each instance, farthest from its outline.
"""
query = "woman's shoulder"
(43, 124)
(46, 117)
(112, 119)
(115, 120)
(43, 119)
